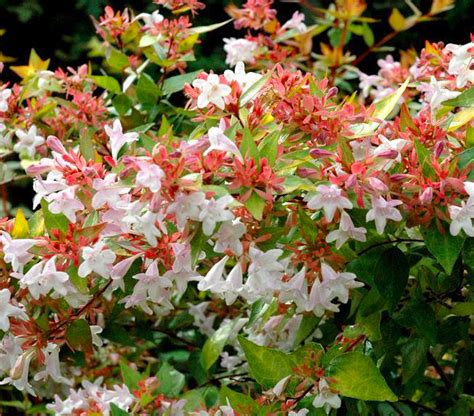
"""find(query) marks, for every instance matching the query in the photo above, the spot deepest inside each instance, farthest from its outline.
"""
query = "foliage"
(264, 241)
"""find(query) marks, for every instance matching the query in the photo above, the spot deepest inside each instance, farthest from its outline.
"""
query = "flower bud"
(377, 185)
(388, 154)
(55, 145)
(332, 92)
(426, 196)
(397, 177)
(320, 153)
(438, 148)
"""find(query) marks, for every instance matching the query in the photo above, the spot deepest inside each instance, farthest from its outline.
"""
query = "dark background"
(61, 30)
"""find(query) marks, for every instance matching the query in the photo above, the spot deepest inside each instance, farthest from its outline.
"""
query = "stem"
(396, 241)
(176, 337)
(376, 45)
(214, 379)
(421, 406)
(82, 309)
(439, 370)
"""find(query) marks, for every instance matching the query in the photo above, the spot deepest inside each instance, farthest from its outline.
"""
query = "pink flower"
(118, 138)
(382, 211)
(330, 199)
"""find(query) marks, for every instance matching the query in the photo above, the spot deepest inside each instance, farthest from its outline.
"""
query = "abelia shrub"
(271, 246)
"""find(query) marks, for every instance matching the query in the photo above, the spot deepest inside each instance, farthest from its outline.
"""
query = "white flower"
(7, 310)
(152, 284)
(329, 199)
(54, 182)
(4, 96)
(228, 237)
(239, 50)
(213, 280)
(52, 365)
(43, 277)
(149, 176)
(187, 206)
(435, 93)
(229, 362)
(20, 372)
(97, 260)
(296, 23)
(219, 141)
(118, 138)
(244, 79)
(461, 218)
(16, 251)
(301, 412)
(150, 19)
(201, 321)
(326, 398)
(65, 202)
(215, 211)
(346, 230)
(212, 91)
(28, 141)
(108, 192)
(461, 63)
(382, 211)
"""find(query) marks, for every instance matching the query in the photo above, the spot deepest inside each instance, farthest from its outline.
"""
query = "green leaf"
(36, 224)
(79, 282)
(177, 83)
(209, 28)
(248, 147)
(255, 204)
(355, 375)
(79, 336)
(54, 221)
(255, 312)
(413, 357)
(86, 146)
(241, 403)
(147, 91)
(466, 99)
(267, 366)
(107, 83)
(391, 275)
(117, 411)
(307, 227)
(171, 380)
(117, 60)
(308, 324)
(130, 376)
(424, 158)
(420, 316)
(368, 35)
(215, 344)
(122, 103)
(443, 246)
(268, 147)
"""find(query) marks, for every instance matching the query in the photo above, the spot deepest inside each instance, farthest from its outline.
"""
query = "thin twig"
(396, 241)
(439, 370)
(421, 406)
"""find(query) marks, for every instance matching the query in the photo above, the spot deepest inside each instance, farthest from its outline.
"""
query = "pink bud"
(332, 92)
(155, 202)
(388, 154)
(377, 185)
(55, 145)
(438, 148)
(397, 177)
(43, 166)
(427, 196)
(306, 172)
(320, 153)
(351, 181)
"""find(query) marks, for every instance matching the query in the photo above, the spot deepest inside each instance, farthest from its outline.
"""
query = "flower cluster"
(273, 235)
